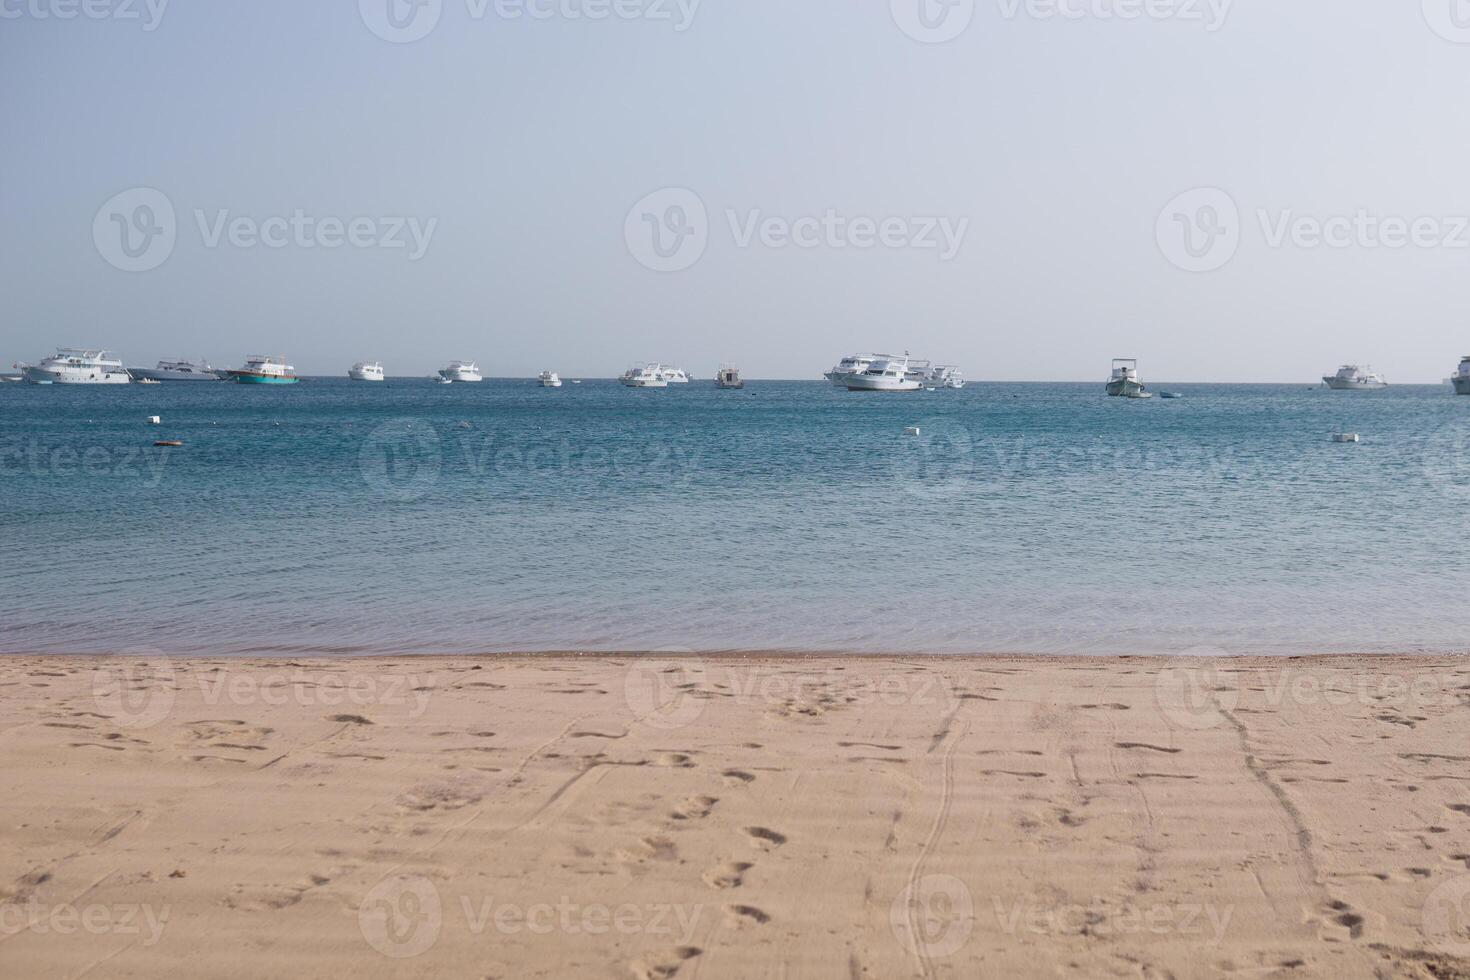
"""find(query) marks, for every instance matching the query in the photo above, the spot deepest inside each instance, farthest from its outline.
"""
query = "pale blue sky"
(528, 141)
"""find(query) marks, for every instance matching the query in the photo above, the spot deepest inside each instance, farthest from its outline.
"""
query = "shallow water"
(407, 516)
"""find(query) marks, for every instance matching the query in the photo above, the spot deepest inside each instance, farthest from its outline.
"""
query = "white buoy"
(911, 430)
(1347, 437)
(154, 420)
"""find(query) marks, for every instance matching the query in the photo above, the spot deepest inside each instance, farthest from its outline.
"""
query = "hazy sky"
(995, 183)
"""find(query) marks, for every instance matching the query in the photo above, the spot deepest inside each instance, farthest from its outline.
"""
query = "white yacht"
(260, 369)
(179, 370)
(648, 376)
(1350, 377)
(548, 379)
(728, 376)
(851, 364)
(944, 376)
(463, 371)
(889, 372)
(363, 371)
(1461, 378)
(675, 376)
(74, 366)
(1124, 383)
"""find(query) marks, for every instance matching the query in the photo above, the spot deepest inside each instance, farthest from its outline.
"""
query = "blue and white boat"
(261, 370)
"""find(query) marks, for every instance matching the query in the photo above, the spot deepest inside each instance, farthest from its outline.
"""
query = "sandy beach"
(648, 816)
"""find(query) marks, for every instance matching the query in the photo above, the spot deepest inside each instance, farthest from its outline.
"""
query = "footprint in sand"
(739, 916)
(677, 760)
(695, 808)
(731, 874)
(765, 837)
(649, 849)
(350, 719)
(661, 966)
(737, 777)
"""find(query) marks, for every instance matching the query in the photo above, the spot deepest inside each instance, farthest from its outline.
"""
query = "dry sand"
(625, 816)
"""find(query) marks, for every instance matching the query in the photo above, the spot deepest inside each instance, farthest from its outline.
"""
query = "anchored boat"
(179, 370)
(728, 376)
(1350, 377)
(650, 375)
(461, 372)
(1124, 383)
(889, 372)
(365, 371)
(77, 366)
(1461, 378)
(262, 370)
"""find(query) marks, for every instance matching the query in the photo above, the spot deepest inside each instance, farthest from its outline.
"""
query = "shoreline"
(731, 816)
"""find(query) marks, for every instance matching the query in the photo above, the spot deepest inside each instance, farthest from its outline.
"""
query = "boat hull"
(1126, 389)
(359, 376)
(860, 383)
(1338, 384)
(1462, 385)
(39, 376)
(240, 377)
(164, 374)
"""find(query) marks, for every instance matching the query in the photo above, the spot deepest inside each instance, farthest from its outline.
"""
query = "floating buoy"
(168, 442)
(154, 420)
(911, 430)
(1346, 437)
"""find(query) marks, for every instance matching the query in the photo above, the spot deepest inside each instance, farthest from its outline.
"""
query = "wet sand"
(636, 816)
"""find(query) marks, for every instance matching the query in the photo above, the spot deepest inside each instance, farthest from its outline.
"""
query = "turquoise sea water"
(406, 516)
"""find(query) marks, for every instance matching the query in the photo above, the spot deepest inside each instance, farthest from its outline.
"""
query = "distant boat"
(549, 379)
(1461, 378)
(650, 375)
(76, 366)
(728, 376)
(461, 371)
(363, 371)
(944, 376)
(675, 376)
(889, 372)
(1350, 377)
(849, 365)
(179, 370)
(262, 370)
(439, 379)
(1170, 394)
(1124, 383)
